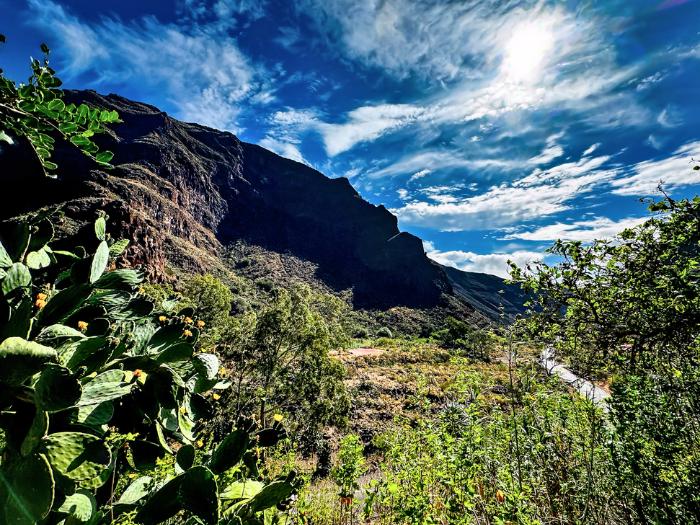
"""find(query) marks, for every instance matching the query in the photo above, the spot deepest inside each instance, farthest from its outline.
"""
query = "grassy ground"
(391, 387)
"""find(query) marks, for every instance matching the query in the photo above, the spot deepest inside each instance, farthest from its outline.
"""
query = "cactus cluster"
(85, 359)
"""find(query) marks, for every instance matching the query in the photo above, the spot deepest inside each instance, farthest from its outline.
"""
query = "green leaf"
(81, 506)
(80, 141)
(106, 386)
(39, 428)
(95, 415)
(230, 451)
(57, 105)
(207, 365)
(20, 359)
(138, 489)
(184, 459)
(100, 228)
(118, 247)
(104, 157)
(68, 127)
(17, 276)
(245, 489)
(44, 48)
(56, 389)
(38, 259)
(26, 491)
(5, 260)
(58, 331)
(78, 456)
(5, 137)
(99, 262)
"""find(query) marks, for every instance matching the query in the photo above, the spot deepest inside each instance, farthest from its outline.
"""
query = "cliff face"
(180, 191)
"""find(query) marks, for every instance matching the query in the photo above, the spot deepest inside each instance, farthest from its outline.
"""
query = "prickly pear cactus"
(84, 360)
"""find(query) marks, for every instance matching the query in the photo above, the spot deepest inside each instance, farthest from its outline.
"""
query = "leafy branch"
(37, 112)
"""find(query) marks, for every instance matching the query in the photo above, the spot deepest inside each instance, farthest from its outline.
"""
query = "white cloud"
(200, 69)
(500, 58)
(539, 194)
(551, 151)
(585, 230)
(491, 263)
(366, 123)
(591, 149)
(674, 171)
(670, 117)
(419, 175)
(289, 150)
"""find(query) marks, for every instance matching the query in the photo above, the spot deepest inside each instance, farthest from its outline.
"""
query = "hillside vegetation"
(134, 390)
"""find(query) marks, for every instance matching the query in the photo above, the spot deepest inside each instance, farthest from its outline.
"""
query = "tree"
(36, 112)
(629, 308)
(211, 300)
(280, 359)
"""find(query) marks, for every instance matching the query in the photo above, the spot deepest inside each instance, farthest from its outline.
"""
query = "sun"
(527, 52)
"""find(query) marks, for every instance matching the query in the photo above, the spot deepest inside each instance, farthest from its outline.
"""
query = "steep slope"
(486, 293)
(180, 191)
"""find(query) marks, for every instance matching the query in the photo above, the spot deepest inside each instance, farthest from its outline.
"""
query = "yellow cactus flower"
(82, 326)
(162, 319)
(200, 323)
(278, 417)
(40, 303)
(200, 443)
(223, 372)
(188, 320)
(187, 333)
(216, 397)
(183, 410)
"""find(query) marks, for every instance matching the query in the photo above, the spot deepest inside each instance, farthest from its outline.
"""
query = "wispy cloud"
(491, 263)
(195, 62)
(366, 123)
(539, 194)
(585, 230)
(672, 172)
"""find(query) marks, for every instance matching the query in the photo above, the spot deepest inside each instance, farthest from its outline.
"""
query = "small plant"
(349, 467)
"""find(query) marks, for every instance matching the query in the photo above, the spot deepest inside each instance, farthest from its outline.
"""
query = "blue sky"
(490, 128)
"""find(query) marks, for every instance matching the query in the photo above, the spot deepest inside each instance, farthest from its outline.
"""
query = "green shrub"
(384, 332)
(35, 110)
(350, 465)
(630, 310)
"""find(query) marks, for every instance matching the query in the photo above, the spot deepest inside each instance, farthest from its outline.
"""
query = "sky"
(490, 128)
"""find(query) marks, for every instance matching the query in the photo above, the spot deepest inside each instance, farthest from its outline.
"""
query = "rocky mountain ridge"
(182, 191)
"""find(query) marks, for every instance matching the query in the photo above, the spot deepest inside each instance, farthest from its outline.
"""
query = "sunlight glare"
(527, 52)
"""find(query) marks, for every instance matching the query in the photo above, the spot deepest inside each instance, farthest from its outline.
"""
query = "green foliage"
(35, 111)
(211, 300)
(460, 335)
(385, 332)
(96, 384)
(279, 360)
(630, 309)
(350, 465)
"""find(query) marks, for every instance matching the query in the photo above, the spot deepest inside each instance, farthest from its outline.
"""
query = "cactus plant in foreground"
(96, 384)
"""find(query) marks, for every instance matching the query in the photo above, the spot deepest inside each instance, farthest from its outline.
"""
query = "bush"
(630, 309)
(384, 332)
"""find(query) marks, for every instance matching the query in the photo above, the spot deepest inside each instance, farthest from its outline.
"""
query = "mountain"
(182, 192)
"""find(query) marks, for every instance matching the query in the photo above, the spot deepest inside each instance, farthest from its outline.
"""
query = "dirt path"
(585, 388)
(359, 352)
